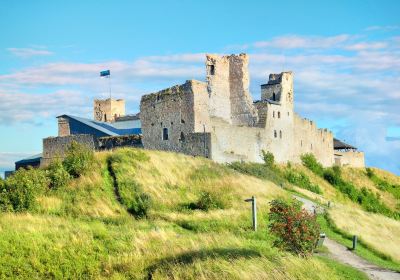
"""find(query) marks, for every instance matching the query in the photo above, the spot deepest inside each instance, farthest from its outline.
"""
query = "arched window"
(274, 96)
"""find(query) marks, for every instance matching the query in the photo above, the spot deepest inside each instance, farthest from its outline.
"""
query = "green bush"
(382, 184)
(20, 190)
(211, 200)
(311, 163)
(268, 158)
(258, 170)
(59, 177)
(300, 179)
(78, 159)
(295, 229)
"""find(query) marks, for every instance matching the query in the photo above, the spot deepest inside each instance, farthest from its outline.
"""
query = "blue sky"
(345, 56)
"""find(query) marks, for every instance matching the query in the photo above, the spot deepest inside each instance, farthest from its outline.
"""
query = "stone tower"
(228, 89)
(279, 88)
(107, 110)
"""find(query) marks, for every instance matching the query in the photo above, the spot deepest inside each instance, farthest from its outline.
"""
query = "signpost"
(253, 210)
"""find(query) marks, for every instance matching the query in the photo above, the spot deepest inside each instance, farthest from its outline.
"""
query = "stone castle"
(217, 119)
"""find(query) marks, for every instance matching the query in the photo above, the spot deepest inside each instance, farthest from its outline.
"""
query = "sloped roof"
(340, 145)
(30, 159)
(110, 129)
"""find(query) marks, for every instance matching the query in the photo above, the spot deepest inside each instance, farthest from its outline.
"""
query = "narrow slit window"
(212, 69)
(273, 114)
(280, 134)
(274, 96)
(279, 115)
(275, 134)
(182, 137)
(165, 133)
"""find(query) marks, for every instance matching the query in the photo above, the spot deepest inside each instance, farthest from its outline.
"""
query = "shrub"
(311, 163)
(300, 179)
(59, 177)
(268, 158)
(21, 189)
(258, 170)
(78, 160)
(295, 229)
(211, 200)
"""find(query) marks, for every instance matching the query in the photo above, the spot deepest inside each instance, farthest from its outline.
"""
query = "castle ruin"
(219, 119)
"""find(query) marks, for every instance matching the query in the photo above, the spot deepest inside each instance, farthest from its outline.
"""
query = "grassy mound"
(131, 218)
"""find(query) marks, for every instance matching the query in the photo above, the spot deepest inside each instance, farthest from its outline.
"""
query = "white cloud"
(303, 42)
(338, 77)
(29, 52)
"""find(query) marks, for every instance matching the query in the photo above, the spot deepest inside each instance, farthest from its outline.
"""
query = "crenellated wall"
(237, 129)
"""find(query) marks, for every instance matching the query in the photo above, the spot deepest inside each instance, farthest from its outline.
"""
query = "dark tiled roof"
(340, 145)
(30, 159)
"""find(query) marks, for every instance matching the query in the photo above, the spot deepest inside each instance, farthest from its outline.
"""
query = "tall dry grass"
(378, 231)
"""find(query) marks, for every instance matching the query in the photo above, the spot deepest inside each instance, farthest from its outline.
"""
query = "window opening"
(165, 133)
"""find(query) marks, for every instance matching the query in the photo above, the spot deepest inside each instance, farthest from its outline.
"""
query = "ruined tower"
(279, 89)
(228, 88)
(109, 109)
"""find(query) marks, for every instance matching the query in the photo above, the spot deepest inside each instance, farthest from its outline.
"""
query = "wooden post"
(354, 242)
(253, 211)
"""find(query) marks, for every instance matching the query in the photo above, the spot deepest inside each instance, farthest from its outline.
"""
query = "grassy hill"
(99, 226)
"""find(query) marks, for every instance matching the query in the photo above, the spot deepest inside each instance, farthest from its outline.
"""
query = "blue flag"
(105, 73)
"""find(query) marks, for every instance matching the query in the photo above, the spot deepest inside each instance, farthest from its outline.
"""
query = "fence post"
(354, 242)
(253, 211)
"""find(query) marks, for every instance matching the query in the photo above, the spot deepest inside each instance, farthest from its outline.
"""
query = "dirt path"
(344, 255)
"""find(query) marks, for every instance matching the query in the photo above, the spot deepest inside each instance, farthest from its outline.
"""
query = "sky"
(345, 56)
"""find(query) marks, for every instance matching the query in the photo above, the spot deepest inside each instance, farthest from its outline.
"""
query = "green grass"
(363, 250)
(344, 271)
(86, 231)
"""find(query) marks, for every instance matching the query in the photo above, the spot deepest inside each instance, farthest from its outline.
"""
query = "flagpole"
(109, 84)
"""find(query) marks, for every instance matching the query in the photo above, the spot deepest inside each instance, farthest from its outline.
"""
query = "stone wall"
(349, 158)
(228, 88)
(111, 142)
(279, 88)
(107, 110)
(55, 147)
(309, 139)
(170, 115)
(63, 127)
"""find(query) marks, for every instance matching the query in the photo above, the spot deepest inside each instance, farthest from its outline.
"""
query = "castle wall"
(349, 158)
(176, 112)
(107, 110)
(309, 139)
(55, 147)
(228, 88)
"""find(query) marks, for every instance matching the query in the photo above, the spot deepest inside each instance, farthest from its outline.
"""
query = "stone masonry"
(219, 119)
(109, 109)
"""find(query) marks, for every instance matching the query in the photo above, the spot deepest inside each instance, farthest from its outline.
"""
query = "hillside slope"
(88, 229)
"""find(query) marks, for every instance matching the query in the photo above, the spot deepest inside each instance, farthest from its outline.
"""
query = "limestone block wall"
(309, 139)
(63, 127)
(107, 110)
(279, 132)
(218, 87)
(349, 158)
(236, 143)
(112, 142)
(279, 88)
(242, 110)
(228, 88)
(197, 144)
(55, 147)
(173, 112)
